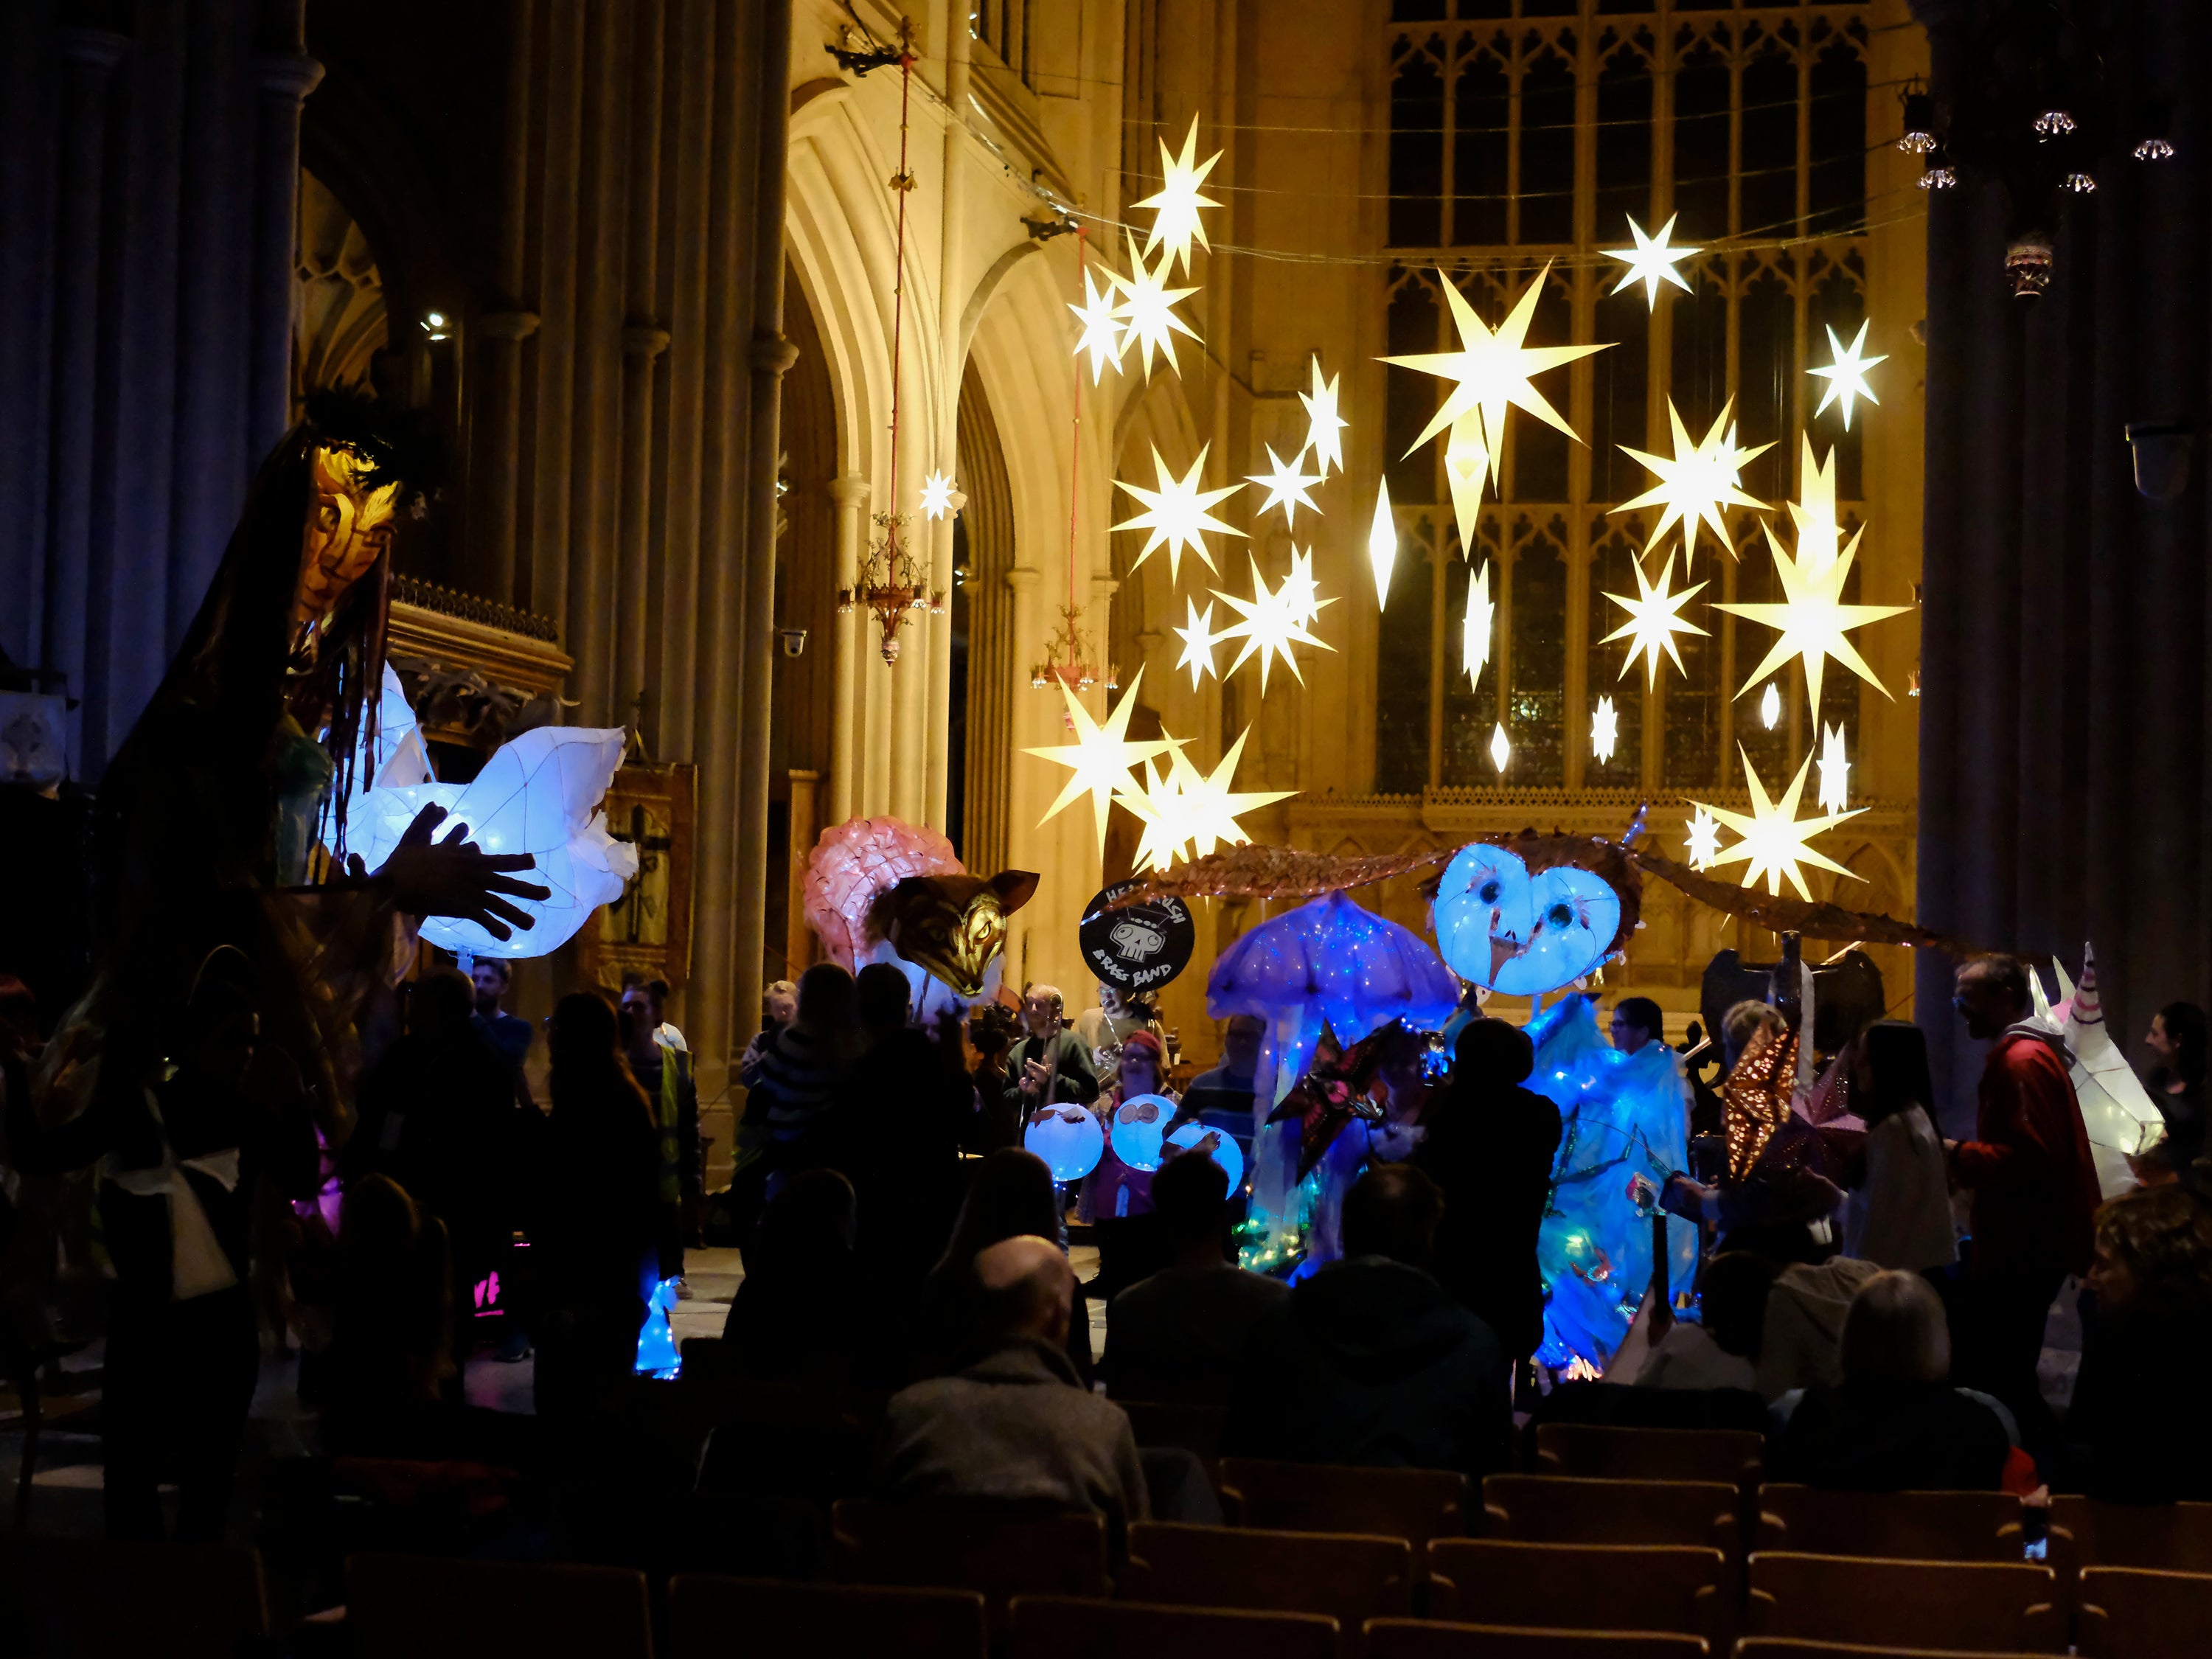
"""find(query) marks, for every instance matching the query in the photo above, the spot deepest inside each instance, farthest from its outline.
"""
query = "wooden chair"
(2169, 1537)
(174, 1601)
(1340, 1576)
(1679, 1590)
(1062, 1627)
(414, 1606)
(716, 1618)
(1791, 1647)
(1421, 1639)
(1414, 1504)
(1196, 1429)
(999, 1552)
(1734, 1455)
(1911, 1526)
(1559, 1508)
(1972, 1607)
(2139, 1613)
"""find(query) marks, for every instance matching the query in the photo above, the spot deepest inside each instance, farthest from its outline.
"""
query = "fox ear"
(1015, 888)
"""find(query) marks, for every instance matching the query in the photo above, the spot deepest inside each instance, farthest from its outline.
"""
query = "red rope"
(903, 183)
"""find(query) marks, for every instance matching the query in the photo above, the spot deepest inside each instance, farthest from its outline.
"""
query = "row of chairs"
(1188, 1590)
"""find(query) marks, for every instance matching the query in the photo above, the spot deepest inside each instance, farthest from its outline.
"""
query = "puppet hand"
(455, 878)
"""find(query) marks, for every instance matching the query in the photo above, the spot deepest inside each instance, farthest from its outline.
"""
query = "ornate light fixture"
(891, 586)
(1919, 134)
(1069, 659)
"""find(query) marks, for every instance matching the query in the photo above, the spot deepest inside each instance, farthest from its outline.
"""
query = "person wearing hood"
(1371, 1361)
(2034, 1186)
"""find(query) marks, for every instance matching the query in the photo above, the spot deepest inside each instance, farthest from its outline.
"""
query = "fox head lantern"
(951, 926)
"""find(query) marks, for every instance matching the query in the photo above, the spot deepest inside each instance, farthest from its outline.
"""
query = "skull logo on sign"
(1135, 941)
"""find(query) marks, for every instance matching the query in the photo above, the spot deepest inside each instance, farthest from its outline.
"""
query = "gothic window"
(1529, 131)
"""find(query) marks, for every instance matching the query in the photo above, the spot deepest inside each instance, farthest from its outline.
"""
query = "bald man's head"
(1028, 1289)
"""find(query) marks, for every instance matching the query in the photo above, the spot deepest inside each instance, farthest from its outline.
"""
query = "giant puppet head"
(953, 926)
(350, 517)
(1522, 932)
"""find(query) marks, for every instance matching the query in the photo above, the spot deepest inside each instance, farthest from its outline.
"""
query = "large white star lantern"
(1490, 372)
(1654, 619)
(1846, 375)
(1186, 813)
(1835, 770)
(1324, 426)
(1147, 310)
(1700, 480)
(1605, 730)
(1273, 620)
(1100, 757)
(938, 490)
(1174, 205)
(1286, 487)
(1102, 337)
(1812, 619)
(1198, 641)
(1176, 514)
(1650, 262)
(1774, 837)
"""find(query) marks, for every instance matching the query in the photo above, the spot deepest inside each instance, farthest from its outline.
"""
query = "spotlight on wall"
(433, 325)
(794, 640)
(2161, 450)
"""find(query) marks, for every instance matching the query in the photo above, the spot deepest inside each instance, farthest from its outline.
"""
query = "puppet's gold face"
(348, 526)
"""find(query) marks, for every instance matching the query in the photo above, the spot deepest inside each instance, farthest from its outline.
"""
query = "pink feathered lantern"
(854, 862)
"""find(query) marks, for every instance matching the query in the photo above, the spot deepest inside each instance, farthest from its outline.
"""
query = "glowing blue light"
(1068, 1138)
(1138, 1123)
(1520, 934)
(657, 1354)
(1220, 1147)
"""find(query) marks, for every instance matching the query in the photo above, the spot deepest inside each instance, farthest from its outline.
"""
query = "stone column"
(850, 492)
(1021, 810)
(89, 57)
(642, 344)
(951, 300)
(286, 78)
(496, 433)
(771, 355)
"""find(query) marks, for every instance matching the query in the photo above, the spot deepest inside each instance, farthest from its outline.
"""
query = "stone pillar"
(496, 435)
(770, 356)
(850, 491)
(90, 56)
(951, 300)
(1028, 628)
(286, 78)
(642, 344)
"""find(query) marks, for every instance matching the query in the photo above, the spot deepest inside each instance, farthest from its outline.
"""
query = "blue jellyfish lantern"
(1068, 1138)
(1138, 1123)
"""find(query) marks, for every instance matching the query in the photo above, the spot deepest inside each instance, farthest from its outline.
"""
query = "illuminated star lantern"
(1300, 590)
(1102, 336)
(1466, 459)
(1174, 205)
(936, 492)
(1770, 706)
(1490, 371)
(1698, 482)
(1270, 627)
(1704, 842)
(1176, 514)
(1846, 375)
(1159, 806)
(1650, 262)
(1286, 487)
(1212, 807)
(1382, 543)
(1775, 837)
(1812, 619)
(1324, 426)
(1835, 770)
(1474, 627)
(1653, 619)
(1500, 751)
(1605, 729)
(1819, 532)
(1198, 641)
(1100, 757)
(1147, 309)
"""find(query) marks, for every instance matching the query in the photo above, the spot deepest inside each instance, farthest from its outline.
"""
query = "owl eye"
(1559, 916)
(1489, 892)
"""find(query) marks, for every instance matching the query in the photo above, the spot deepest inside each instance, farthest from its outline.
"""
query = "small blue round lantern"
(1138, 1123)
(1218, 1145)
(1068, 1139)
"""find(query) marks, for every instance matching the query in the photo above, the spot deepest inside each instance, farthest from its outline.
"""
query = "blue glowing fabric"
(1627, 1131)
(657, 1354)
(1522, 934)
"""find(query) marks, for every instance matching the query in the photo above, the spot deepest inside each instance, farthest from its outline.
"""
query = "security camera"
(795, 641)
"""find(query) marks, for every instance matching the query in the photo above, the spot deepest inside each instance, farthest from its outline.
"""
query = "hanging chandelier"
(1071, 660)
(891, 586)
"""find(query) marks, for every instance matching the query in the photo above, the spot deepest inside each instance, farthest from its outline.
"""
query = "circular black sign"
(1139, 947)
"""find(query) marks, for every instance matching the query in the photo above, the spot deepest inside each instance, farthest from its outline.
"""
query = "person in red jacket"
(2035, 1190)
